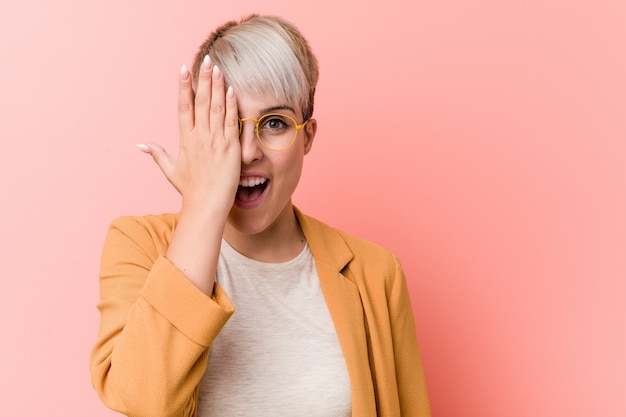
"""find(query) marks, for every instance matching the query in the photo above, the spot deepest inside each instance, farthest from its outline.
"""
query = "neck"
(282, 241)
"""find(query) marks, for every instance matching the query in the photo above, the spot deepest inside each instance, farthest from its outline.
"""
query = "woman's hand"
(207, 170)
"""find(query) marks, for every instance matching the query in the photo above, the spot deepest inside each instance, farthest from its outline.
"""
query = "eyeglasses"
(275, 131)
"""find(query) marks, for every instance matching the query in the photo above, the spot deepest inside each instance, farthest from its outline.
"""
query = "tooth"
(251, 182)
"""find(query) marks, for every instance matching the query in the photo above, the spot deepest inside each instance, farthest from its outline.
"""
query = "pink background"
(482, 141)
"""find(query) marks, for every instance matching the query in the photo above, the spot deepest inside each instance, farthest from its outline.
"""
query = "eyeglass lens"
(276, 131)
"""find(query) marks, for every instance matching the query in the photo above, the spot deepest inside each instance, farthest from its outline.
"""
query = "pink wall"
(486, 146)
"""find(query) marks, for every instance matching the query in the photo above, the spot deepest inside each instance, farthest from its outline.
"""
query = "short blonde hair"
(264, 55)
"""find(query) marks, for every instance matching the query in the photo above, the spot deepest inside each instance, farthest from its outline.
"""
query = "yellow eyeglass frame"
(258, 135)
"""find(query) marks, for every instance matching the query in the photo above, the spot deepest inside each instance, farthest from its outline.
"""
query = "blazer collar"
(326, 244)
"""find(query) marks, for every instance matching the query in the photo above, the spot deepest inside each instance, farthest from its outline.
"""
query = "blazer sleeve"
(410, 379)
(155, 326)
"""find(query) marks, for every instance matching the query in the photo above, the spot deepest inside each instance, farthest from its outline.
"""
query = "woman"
(322, 322)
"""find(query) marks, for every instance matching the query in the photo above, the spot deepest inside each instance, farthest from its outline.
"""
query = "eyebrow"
(279, 107)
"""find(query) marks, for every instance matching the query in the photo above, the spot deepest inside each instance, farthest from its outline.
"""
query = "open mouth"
(250, 189)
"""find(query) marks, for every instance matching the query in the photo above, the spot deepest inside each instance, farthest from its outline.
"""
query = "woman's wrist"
(196, 244)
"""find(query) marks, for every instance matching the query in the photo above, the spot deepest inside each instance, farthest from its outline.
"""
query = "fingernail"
(206, 63)
(143, 148)
(216, 72)
(184, 73)
(230, 93)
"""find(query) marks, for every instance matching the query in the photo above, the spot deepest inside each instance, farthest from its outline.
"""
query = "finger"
(231, 120)
(203, 95)
(160, 156)
(185, 101)
(218, 102)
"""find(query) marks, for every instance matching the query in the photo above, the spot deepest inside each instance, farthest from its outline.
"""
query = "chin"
(254, 222)
(247, 223)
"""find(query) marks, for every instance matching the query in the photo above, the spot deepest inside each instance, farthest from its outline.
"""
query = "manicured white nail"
(142, 147)
(216, 72)
(206, 63)
(184, 73)
(230, 93)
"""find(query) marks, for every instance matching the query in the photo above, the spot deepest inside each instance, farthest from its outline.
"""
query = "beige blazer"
(156, 327)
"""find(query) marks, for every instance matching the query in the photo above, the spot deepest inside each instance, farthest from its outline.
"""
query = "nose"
(250, 147)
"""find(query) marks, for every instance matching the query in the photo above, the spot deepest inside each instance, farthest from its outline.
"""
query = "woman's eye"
(274, 123)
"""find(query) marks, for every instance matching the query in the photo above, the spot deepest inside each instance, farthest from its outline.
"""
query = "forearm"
(195, 246)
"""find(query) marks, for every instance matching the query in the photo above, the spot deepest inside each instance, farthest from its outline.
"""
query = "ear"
(309, 134)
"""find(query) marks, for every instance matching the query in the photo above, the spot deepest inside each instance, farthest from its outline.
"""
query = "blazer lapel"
(332, 255)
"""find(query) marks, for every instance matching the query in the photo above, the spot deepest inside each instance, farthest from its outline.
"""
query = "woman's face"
(262, 207)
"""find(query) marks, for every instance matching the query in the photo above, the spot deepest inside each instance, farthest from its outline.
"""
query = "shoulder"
(370, 258)
(364, 255)
(375, 270)
(159, 225)
(150, 233)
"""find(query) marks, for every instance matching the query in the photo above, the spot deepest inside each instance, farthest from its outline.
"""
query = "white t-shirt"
(279, 354)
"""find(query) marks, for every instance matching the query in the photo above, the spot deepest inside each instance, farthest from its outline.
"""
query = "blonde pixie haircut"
(265, 55)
